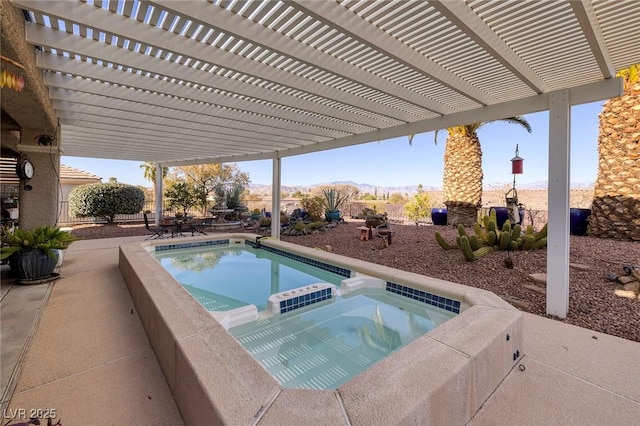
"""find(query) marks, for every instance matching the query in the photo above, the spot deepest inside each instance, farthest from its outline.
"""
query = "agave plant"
(334, 198)
(231, 198)
(44, 238)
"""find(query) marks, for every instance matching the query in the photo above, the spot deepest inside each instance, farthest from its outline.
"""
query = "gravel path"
(592, 302)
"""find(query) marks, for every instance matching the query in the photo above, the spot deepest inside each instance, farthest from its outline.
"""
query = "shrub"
(419, 207)
(105, 200)
(265, 222)
(313, 206)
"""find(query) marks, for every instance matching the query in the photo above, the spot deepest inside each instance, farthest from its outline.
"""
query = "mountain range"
(262, 189)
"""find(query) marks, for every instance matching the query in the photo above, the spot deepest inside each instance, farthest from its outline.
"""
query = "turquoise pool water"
(318, 346)
(224, 278)
(324, 345)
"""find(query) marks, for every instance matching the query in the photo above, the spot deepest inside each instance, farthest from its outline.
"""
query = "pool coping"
(442, 377)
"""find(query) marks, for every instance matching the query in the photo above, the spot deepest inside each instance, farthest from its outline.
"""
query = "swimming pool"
(226, 277)
(442, 377)
(312, 344)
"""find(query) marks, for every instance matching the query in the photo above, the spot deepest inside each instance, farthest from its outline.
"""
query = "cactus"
(470, 254)
(443, 243)
(466, 248)
(492, 238)
(473, 241)
(484, 241)
(516, 231)
(505, 240)
(542, 242)
(480, 233)
(542, 233)
(527, 242)
(492, 226)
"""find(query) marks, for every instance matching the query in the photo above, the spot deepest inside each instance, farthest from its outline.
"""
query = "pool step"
(311, 357)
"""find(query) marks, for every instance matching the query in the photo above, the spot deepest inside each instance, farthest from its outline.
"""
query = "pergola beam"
(578, 95)
(588, 21)
(476, 29)
(57, 63)
(110, 23)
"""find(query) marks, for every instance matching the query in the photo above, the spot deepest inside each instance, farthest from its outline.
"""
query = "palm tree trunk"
(615, 211)
(462, 184)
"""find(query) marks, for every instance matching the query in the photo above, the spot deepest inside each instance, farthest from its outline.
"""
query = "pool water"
(224, 278)
(318, 346)
(324, 345)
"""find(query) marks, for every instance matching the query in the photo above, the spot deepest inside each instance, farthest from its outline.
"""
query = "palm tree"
(462, 182)
(149, 173)
(615, 210)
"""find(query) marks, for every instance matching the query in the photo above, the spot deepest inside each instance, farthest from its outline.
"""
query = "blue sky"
(396, 163)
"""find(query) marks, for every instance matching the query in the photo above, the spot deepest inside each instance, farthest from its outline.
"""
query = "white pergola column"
(275, 198)
(558, 204)
(158, 193)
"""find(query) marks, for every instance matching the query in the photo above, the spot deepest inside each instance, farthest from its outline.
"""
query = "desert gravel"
(592, 302)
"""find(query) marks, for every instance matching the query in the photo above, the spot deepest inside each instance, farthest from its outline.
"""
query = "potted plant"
(33, 253)
(334, 199)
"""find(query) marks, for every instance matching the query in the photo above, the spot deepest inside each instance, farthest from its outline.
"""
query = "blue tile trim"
(250, 243)
(192, 245)
(327, 267)
(305, 299)
(425, 297)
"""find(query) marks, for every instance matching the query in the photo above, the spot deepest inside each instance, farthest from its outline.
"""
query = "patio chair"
(197, 226)
(156, 232)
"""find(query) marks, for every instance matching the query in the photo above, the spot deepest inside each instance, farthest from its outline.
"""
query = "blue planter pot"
(578, 221)
(502, 215)
(331, 216)
(439, 216)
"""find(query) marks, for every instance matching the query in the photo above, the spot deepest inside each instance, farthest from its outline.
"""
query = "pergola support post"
(558, 204)
(275, 197)
(158, 194)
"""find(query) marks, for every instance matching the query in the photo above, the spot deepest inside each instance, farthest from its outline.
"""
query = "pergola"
(212, 81)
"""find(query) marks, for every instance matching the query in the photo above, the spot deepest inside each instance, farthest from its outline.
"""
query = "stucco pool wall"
(441, 378)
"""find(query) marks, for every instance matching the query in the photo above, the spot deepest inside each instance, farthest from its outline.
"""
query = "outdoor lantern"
(516, 163)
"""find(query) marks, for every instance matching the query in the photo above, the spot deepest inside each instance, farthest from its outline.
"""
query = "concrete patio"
(77, 346)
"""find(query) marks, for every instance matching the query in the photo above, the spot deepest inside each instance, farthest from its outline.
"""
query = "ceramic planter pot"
(502, 215)
(439, 216)
(578, 221)
(332, 216)
(32, 264)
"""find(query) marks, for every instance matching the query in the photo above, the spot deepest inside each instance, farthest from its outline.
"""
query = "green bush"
(419, 207)
(105, 200)
(313, 206)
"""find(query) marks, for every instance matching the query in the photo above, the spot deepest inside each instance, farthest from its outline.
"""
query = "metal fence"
(64, 219)
(395, 213)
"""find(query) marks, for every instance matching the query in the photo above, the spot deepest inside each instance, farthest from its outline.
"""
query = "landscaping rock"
(539, 277)
(579, 266)
(633, 286)
(535, 288)
(625, 293)
(626, 280)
